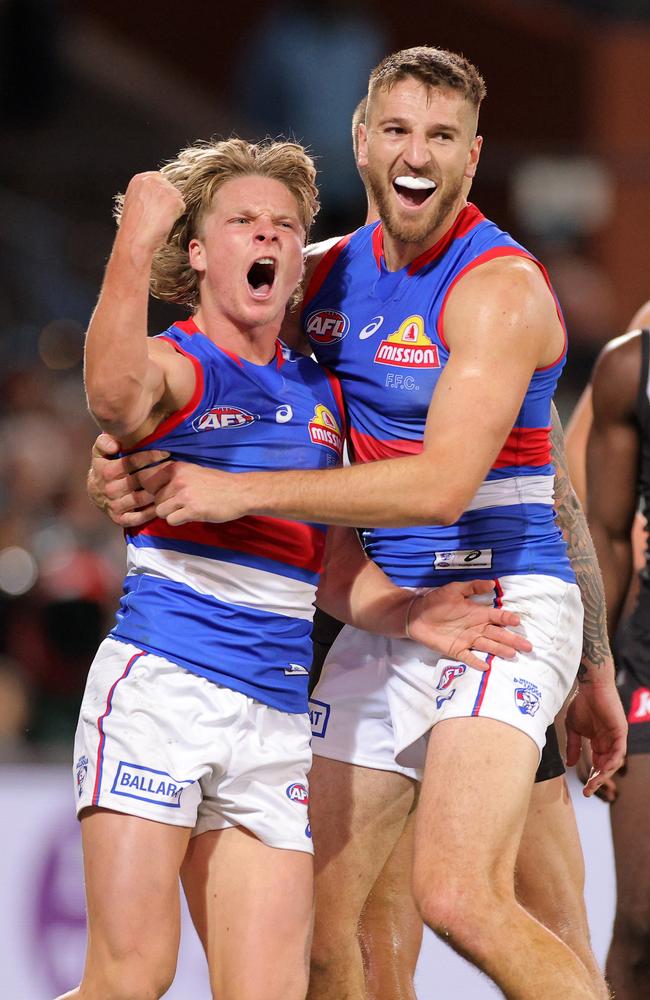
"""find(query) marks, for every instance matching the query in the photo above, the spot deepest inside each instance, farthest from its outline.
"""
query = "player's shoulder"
(620, 358)
(616, 378)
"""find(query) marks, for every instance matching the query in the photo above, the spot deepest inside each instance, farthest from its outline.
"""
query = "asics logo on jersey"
(283, 414)
(371, 327)
(640, 707)
(409, 347)
(323, 429)
(298, 793)
(221, 418)
(327, 326)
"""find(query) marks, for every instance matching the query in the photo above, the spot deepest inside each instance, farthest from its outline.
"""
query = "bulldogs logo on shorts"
(81, 770)
(527, 697)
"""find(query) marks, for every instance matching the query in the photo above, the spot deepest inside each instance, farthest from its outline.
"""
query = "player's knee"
(460, 914)
(131, 979)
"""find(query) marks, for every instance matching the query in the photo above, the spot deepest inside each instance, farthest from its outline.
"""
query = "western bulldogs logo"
(327, 326)
(449, 674)
(81, 769)
(298, 793)
(527, 697)
(221, 418)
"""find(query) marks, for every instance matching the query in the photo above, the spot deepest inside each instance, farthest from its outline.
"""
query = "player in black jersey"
(618, 482)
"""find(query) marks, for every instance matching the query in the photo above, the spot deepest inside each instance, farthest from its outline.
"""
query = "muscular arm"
(597, 663)
(501, 324)
(355, 590)
(131, 381)
(612, 464)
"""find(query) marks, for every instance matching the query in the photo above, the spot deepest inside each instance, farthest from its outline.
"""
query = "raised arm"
(132, 382)
(501, 324)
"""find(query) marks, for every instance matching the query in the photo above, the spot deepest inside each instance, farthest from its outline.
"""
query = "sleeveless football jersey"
(234, 602)
(382, 334)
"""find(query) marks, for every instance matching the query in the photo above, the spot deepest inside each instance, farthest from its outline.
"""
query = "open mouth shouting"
(412, 192)
(261, 277)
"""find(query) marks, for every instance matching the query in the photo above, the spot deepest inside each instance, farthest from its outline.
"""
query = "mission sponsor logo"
(327, 326)
(409, 347)
(323, 429)
(221, 418)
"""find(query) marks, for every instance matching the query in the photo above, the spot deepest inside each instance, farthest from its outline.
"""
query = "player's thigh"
(473, 802)
(131, 868)
(550, 871)
(630, 820)
(357, 815)
(252, 907)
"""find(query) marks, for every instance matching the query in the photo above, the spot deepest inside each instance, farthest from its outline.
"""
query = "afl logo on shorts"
(327, 326)
(298, 793)
(409, 347)
(323, 429)
(449, 674)
(221, 418)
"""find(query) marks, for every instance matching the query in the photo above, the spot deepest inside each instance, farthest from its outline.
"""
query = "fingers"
(605, 765)
(154, 479)
(470, 658)
(511, 640)
(143, 459)
(105, 445)
(471, 588)
(135, 518)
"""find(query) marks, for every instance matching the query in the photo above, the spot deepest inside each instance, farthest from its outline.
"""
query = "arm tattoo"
(573, 524)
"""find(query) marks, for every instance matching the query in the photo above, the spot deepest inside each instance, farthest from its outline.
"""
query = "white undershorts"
(157, 741)
(378, 699)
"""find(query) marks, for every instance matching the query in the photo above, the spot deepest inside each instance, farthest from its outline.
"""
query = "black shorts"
(633, 674)
(325, 632)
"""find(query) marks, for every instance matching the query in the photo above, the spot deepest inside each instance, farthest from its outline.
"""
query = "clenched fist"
(151, 207)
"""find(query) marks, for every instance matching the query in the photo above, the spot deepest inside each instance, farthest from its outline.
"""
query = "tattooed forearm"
(596, 652)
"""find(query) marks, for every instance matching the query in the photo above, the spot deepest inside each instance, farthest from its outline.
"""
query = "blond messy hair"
(198, 172)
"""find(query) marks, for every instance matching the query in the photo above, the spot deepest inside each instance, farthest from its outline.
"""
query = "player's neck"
(252, 343)
(400, 253)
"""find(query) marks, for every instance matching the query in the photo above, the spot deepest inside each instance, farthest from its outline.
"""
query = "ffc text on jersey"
(223, 418)
(323, 429)
(327, 326)
(409, 347)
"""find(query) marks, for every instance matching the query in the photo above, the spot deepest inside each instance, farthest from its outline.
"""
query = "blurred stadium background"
(92, 93)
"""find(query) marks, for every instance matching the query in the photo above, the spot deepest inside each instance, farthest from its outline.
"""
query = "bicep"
(612, 462)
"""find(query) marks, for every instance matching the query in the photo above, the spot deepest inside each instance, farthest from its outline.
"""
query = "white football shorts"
(157, 741)
(378, 698)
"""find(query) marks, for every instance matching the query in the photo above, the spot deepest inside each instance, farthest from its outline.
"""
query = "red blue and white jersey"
(382, 334)
(234, 602)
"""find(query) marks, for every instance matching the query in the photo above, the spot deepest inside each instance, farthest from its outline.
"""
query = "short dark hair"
(432, 67)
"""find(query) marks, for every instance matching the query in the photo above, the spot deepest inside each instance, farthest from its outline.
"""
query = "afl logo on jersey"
(327, 326)
(409, 347)
(323, 429)
(221, 418)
